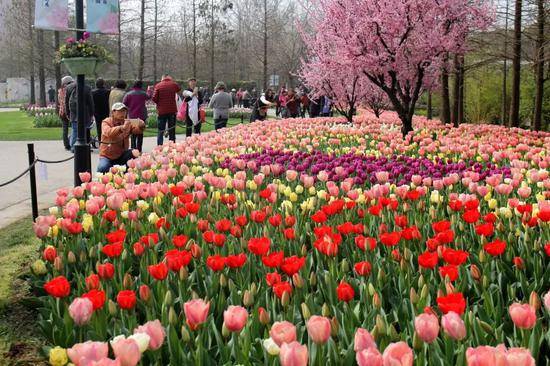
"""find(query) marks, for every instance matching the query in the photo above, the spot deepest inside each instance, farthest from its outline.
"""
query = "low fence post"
(242, 118)
(34, 196)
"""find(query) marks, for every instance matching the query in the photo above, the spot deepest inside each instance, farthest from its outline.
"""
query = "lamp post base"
(82, 160)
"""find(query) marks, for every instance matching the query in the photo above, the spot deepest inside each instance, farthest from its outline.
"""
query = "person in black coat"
(71, 106)
(100, 96)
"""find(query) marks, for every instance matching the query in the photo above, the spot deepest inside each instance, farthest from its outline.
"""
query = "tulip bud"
(420, 281)
(225, 332)
(58, 264)
(344, 265)
(263, 316)
(304, 250)
(231, 285)
(127, 282)
(475, 272)
(482, 257)
(144, 293)
(485, 282)
(403, 265)
(312, 279)
(297, 280)
(380, 324)
(413, 296)
(168, 298)
(124, 255)
(285, 299)
(449, 286)
(371, 289)
(381, 276)
(248, 298)
(253, 288)
(183, 273)
(486, 327)
(92, 253)
(112, 307)
(376, 300)
(424, 292)
(172, 317)
(407, 254)
(185, 336)
(537, 245)
(305, 311)
(39, 267)
(223, 280)
(393, 333)
(163, 236)
(325, 310)
(83, 256)
(196, 251)
(534, 300)
(334, 327)
(375, 333)
(440, 293)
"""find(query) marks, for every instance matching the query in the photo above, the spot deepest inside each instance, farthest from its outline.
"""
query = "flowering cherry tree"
(397, 44)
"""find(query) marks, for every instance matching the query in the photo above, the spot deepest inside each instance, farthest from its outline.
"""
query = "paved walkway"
(9, 109)
(15, 200)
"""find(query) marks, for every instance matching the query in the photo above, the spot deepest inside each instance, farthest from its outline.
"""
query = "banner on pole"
(103, 16)
(51, 14)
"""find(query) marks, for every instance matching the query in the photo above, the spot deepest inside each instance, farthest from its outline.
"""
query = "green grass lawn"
(18, 126)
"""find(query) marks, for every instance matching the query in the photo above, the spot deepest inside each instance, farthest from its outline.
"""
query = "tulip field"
(306, 242)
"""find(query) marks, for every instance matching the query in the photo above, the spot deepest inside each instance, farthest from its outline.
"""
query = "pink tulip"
(196, 312)
(283, 332)
(291, 175)
(293, 354)
(369, 357)
(41, 227)
(486, 356)
(546, 300)
(363, 340)
(84, 353)
(155, 331)
(105, 362)
(519, 357)
(81, 310)
(453, 325)
(524, 192)
(85, 177)
(398, 354)
(115, 201)
(523, 315)
(92, 207)
(235, 318)
(318, 329)
(126, 351)
(427, 327)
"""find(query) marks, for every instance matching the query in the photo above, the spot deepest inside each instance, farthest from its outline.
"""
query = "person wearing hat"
(115, 142)
(62, 112)
(220, 103)
(259, 112)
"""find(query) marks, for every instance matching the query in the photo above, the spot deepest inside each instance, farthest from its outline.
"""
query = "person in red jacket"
(164, 97)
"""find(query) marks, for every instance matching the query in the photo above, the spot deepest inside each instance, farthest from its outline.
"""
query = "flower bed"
(259, 245)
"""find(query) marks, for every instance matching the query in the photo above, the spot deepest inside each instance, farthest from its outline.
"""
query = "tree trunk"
(407, 124)
(516, 67)
(119, 47)
(445, 104)
(539, 72)
(430, 108)
(212, 44)
(265, 45)
(458, 105)
(31, 53)
(155, 38)
(57, 70)
(141, 64)
(41, 71)
(194, 39)
(504, 108)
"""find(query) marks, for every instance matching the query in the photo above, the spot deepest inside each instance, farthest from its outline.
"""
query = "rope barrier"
(20, 175)
(55, 161)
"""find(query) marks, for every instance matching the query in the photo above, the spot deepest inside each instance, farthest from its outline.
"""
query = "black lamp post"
(82, 158)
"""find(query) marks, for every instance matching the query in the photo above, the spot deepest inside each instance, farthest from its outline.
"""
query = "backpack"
(72, 100)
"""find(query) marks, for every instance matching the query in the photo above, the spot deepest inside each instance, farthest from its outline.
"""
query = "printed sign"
(103, 16)
(51, 14)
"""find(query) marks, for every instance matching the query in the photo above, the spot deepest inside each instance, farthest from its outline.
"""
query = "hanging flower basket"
(81, 65)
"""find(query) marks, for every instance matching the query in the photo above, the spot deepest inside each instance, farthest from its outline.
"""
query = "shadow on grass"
(20, 338)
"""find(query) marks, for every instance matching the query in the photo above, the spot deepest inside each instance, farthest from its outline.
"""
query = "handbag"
(182, 112)
(202, 115)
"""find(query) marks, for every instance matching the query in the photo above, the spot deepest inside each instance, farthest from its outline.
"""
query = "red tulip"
(449, 271)
(219, 240)
(390, 239)
(441, 226)
(58, 287)
(292, 265)
(106, 271)
(276, 220)
(289, 233)
(428, 260)
(290, 221)
(126, 299)
(345, 292)
(179, 241)
(486, 229)
(158, 271)
(49, 253)
(215, 262)
(455, 257)
(362, 268)
(236, 231)
(97, 297)
(144, 293)
(363, 242)
(495, 248)
(92, 282)
(281, 287)
(471, 216)
(116, 236)
(259, 246)
(223, 225)
(452, 302)
(272, 278)
(235, 261)
(241, 220)
(273, 259)
(113, 250)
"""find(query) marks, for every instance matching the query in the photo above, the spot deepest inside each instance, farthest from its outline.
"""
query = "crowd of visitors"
(120, 114)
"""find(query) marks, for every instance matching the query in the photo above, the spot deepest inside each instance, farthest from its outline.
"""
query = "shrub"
(47, 120)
